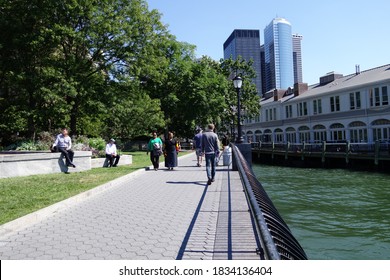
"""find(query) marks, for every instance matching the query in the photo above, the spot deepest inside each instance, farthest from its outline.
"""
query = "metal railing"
(276, 238)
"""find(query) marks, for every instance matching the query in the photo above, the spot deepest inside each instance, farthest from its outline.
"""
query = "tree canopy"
(106, 68)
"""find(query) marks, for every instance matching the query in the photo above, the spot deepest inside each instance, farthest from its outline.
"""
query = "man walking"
(210, 147)
(198, 146)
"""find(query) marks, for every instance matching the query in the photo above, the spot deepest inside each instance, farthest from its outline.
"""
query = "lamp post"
(237, 82)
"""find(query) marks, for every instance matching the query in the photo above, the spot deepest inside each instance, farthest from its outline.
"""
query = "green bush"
(97, 143)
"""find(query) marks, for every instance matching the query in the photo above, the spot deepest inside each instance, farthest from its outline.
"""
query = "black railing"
(276, 238)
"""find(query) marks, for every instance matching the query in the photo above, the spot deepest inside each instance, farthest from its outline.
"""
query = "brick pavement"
(151, 215)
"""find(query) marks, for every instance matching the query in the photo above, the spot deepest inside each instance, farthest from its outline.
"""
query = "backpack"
(157, 149)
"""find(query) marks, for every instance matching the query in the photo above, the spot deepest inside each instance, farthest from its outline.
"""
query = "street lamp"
(237, 81)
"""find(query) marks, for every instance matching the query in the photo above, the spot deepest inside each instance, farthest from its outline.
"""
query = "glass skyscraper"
(278, 54)
(245, 43)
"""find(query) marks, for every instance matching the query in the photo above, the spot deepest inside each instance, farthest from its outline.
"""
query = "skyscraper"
(245, 43)
(297, 58)
(278, 53)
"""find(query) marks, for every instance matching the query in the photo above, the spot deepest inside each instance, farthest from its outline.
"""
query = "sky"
(337, 35)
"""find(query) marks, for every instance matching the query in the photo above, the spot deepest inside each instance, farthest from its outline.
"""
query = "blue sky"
(337, 35)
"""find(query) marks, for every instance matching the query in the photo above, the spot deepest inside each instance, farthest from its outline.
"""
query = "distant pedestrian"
(63, 144)
(198, 146)
(171, 147)
(225, 144)
(111, 153)
(155, 149)
(210, 147)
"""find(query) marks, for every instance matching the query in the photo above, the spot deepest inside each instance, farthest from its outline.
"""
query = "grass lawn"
(22, 195)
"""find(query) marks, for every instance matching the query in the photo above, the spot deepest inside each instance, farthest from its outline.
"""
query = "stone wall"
(32, 163)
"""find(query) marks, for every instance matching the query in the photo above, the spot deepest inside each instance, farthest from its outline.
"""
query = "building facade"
(339, 108)
(297, 57)
(245, 43)
(278, 54)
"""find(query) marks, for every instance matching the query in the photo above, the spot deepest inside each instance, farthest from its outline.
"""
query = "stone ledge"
(25, 164)
(100, 162)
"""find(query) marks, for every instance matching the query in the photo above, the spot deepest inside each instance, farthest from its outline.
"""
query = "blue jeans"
(210, 165)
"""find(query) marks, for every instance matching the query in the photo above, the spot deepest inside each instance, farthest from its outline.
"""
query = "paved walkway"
(146, 215)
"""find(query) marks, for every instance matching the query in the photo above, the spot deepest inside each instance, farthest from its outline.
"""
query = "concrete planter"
(101, 162)
(32, 163)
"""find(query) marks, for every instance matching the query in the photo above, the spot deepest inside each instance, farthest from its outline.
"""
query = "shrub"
(97, 143)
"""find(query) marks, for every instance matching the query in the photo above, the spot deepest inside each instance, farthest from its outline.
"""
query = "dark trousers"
(111, 160)
(68, 154)
(155, 159)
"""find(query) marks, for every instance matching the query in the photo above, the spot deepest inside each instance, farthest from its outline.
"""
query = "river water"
(334, 214)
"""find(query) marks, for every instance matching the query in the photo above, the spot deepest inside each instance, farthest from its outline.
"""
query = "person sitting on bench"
(112, 154)
(63, 144)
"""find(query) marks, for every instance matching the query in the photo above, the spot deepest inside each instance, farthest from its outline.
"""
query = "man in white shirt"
(63, 144)
(112, 154)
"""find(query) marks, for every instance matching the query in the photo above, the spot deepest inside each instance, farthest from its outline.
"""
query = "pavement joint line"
(41, 214)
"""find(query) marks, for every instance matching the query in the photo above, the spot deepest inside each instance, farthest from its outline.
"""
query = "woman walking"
(155, 149)
(170, 152)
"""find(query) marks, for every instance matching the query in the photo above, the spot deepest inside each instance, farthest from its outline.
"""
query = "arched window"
(381, 129)
(319, 133)
(258, 135)
(278, 135)
(249, 136)
(304, 134)
(358, 132)
(291, 135)
(267, 136)
(337, 132)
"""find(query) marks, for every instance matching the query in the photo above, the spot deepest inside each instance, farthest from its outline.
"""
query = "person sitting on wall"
(112, 154)
(63, 144)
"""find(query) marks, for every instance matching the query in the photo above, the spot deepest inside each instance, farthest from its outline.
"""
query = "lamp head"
(237, 81)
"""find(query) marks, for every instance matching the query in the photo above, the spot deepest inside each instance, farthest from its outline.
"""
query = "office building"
(278, 53)
(297, 58)
(245, 43)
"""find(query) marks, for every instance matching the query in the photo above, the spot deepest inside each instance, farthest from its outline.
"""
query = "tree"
(60, 61)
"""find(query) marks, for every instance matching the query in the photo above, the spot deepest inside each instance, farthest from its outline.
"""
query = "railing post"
(287, 149)
(323, 151)
(377, 149)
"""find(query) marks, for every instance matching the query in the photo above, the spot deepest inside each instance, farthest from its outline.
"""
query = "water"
(334, 214)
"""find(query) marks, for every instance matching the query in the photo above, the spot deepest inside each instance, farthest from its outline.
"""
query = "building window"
(302, 109)
(337, 132)
(354, 100)
(291, 135)
(319, 133)
(335, 104)
(378, 96)
(381, 130)
(289, 111)
(385, 97)
(278, 135)
(317, 107)
(358, 132)
(304, 134)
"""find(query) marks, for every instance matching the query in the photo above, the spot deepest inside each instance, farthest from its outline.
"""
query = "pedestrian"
(198, 146)
(170, 151)
(111, 153)
(155, 149)
(63, 144)
(210, 147)
(225, 144)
